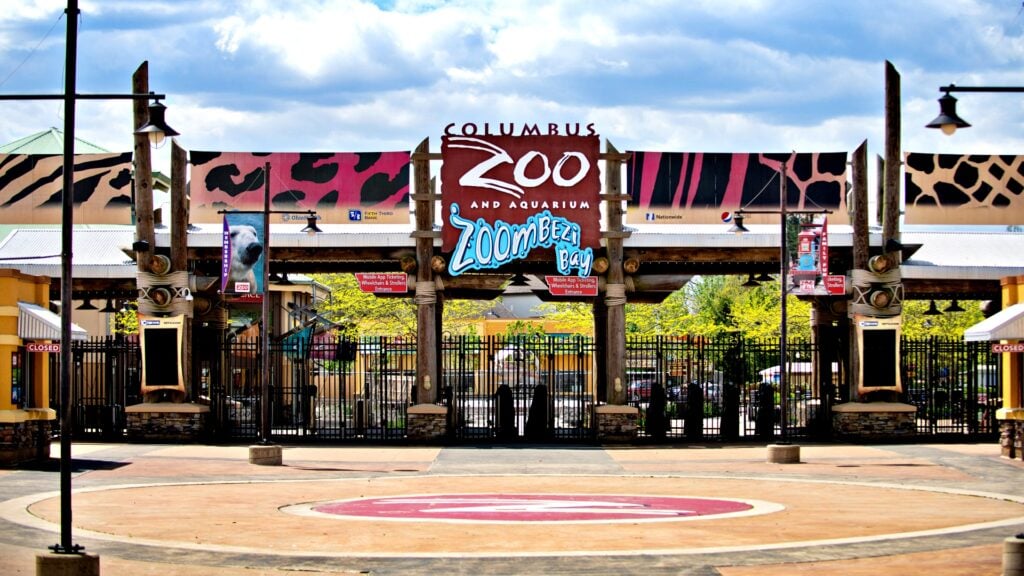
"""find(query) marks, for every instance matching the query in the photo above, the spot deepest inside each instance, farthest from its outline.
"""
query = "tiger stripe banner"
(697, 187)
(31, 188)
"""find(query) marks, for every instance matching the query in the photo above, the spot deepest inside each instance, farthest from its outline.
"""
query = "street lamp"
(738, 228)
(948, 121)
(311, 228)
(156, 131)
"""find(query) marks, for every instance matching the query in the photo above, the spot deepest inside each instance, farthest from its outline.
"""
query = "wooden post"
(143, 171)
(860, 206)
(615, 350)
(179, 250)
(426, 295)
(893, 153)
(179, 209)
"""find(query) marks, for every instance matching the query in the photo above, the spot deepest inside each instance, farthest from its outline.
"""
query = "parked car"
(640, 390)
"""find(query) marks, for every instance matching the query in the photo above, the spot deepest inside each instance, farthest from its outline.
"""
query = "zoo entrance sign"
(520, 190)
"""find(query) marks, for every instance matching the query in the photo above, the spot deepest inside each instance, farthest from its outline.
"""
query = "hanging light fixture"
(519, 279)
(932, 310)
(87, 305)
(109, 308)
(763, 277)
(954, 306)
(156, 128)
(947, 120)
(737, 225)
(311, 227)
(751, 282)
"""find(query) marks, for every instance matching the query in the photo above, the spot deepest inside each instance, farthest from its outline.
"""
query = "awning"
(38, 323)
(1005, 325)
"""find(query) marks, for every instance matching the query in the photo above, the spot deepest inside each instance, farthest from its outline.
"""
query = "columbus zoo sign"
(506, 195)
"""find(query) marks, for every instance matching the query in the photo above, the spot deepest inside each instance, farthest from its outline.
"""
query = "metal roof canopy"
(38, 323)
(1005, 325)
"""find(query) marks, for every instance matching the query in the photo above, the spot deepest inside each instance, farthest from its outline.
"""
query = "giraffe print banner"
(963, 189)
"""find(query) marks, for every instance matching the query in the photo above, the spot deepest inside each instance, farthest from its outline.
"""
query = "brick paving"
(174, 509)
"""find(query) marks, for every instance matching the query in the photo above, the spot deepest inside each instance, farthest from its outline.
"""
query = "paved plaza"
(204, 510)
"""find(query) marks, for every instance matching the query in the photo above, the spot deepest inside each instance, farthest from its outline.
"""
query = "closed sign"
(34, 347)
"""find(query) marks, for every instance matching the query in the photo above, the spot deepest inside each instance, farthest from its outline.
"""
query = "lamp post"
(738, 228)
(948, 121)
(157, 130)
(311, 229)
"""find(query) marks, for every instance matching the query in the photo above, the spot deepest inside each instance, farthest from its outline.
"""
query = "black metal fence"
(528, 388)
(956, 386)
(106, 377)
(728, 388)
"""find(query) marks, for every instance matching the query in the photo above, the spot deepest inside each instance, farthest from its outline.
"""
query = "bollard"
(1013, 556)
(783, 454)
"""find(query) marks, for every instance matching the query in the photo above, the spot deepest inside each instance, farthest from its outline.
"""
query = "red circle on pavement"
(534, 507)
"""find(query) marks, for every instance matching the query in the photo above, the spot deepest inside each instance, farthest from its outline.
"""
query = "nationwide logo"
(572, 508)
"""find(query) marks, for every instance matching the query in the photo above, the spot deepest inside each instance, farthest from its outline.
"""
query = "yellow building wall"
(17, 287)
(1012, 293)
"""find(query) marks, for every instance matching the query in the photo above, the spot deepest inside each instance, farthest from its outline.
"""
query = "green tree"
(916, 324)
(372, 315)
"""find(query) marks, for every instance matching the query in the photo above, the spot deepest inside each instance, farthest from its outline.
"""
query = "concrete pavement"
(193, 509)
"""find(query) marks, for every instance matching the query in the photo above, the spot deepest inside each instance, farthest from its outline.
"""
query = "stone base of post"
(265, 454)
(1013, 556)
(783, 454)
(54, 564)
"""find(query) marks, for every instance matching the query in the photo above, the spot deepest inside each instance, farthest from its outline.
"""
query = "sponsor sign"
(383, 283)
(571, 285)
(1015, 347)
(39, 347)
(505, 197)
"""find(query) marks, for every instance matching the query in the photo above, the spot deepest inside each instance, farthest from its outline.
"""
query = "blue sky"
(697, 75)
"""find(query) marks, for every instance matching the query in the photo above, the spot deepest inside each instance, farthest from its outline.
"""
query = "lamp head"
(311, 227)
(156, 129)
(737, 225)
(947, 120)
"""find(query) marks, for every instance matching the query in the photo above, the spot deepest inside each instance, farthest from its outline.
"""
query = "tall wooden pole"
(426, 295)
(144, 225)
(179, 249)
(615, 295)
(860, 207)
(893, 155)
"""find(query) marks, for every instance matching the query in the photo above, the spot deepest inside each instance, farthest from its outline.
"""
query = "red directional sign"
(835, 284)
(572, 285)
(382, 282)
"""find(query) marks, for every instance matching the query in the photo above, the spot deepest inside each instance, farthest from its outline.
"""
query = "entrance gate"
(511, 388)
(536, 389)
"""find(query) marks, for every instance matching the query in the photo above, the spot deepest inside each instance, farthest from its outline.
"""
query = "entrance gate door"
(535, 389)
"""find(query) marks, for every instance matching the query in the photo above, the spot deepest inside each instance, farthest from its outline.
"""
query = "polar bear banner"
(242, 252)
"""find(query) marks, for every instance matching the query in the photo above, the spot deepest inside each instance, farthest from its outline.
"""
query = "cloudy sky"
(355, 75)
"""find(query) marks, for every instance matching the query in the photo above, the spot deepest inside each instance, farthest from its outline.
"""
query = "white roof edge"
(1007, 324)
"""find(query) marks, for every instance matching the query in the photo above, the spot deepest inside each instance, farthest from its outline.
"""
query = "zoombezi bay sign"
(507, 195)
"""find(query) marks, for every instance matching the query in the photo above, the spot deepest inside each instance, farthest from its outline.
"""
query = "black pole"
(783, 257)
(67, 221)
(265, 374)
